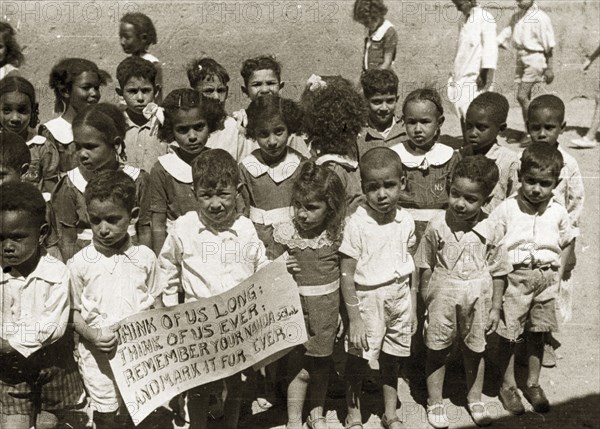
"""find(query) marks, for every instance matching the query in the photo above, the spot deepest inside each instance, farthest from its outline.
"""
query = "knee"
(522, 98)
(303, 376)
(46, 420)
(16, 421)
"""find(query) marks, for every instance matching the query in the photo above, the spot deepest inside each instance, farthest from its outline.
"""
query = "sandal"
(438, 421)
(479, 413)
(353, 425)
(316, 423)
(387, 424)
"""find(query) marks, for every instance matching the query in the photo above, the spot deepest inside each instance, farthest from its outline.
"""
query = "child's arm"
(549, 72)
(169, 263)
(159, 231)
(590, 59)
(104, 339)
(489, 57)
(143, 226)
(390, 41)
(499, 285)
(64, 205)
(158, 206)
(357, 332)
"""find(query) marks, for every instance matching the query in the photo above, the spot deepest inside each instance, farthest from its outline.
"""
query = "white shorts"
(98, 379)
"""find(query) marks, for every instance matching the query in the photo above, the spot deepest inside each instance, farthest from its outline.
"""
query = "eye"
(181, 130)
(200, 126)
(94, 220)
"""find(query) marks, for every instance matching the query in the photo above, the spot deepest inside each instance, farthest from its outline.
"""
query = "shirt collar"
(528, 208)
(381, 30)
(176, 167)
(49, 269)
(344, 161)
(394, 130)
(60, 129)
(482, 226)
(280, 172)
(202, 227)
(363, 213)
(80, 183)
(131, 124)
(439, 154)
(493, 152)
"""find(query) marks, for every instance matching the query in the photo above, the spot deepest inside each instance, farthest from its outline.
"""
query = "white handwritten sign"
(164, 352)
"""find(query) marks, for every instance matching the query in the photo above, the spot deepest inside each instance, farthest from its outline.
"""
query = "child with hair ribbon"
(312, 240)
(11, 56)
(99, 131)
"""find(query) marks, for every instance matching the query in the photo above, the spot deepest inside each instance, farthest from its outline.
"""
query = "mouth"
(93, 100)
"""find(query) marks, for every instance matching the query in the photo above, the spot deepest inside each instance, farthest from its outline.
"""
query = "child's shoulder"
(385, 29)
(59, 129)
(36, 140)
(70, 182)
(568, 159)
(51, 269)
(172, 166)
(149, 57)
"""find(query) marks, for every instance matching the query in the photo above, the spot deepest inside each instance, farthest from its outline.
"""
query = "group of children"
(382, 227)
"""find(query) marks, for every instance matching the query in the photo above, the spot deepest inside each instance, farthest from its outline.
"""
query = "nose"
(93, 92)
(104, 231)
(265, 89)
(14, 118)
(192, 136)
(381, 193)
(460, 204)
(215, 204)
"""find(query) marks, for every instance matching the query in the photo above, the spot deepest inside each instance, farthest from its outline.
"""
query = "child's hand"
(413, 321)
(292, 266)
(104, 339)
(340, 327)
(46, 375)
(549, 75)
(357, 334)
(493, 320)
(586, 65)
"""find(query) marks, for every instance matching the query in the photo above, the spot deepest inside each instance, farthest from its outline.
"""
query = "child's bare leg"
(435, 370)
(355, 371)
(233, 402)
(474, 369)
(296, 391)
(591, 134)
(535, 352)
(524, 97)
(198, 408)
(390, 368)
(319, 380)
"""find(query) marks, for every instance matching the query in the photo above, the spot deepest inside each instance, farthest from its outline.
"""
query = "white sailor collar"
(280, 172)
(381, 30)
(36, 140)
(439, 154)
(176, 167)
(60, 129)
(149, 57)
(80, 183)
(338, 159)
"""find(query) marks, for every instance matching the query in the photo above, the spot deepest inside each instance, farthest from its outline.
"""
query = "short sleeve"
(426, 252)
(390, 40)
(64, 203)
(546, 35)
(497, 256)
(143, 197)
(566, 232)
(76, 283)
(158, 189)
(351, 243)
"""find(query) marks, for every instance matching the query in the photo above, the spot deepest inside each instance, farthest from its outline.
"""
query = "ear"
(134, 215)
(502, 127)
(397, 98)
(488, 199)
(402, 182)
(441, 120)
(24, 169)
(144, 37)
(226, 92)
(65, 93)
(119, 91)
(244, 90)
(281, 85)
(44, 231)
(117, 143)
(34, 118)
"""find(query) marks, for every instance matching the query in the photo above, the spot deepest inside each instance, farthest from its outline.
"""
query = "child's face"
(465, 198)
(84, 91)
(94, 152)
(382, 108)
(138, 93)
(15, 111)
(2, 50)
(463, 6)
(217, 206)
(8, 174)
(109, 221)
(212, 87)
(20, 238)
(422, 122)
(190, 130)
(262, 82)
(524, 4)
(382, 188)
(131, 42)
(537, 185)
(480, 129)
(310, 214)
(544, 125)
(373, 23)
(272, 137)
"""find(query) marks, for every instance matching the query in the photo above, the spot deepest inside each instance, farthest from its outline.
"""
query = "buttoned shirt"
(477, 48)
(530, 30)
(142, 145)
(369, 137)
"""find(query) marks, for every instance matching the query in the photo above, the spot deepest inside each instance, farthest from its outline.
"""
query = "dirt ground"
(320, 37)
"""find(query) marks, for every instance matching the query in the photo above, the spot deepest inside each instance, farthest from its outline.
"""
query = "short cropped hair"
(201, 68)
(142, 24)
(215, 167)
(380, 157)
(376, 81)
(263, 62)
(115, 186)
(494, 104)
(543, 157)
(14, 152)
(548, 101)
(135, 67)
(23, 196)
(480, 170)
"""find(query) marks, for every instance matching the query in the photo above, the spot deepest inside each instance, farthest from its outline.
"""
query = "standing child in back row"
(11, 56)
(530, 32)
(381, 39)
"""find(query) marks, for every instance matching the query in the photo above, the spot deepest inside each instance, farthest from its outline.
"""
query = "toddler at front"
(536, 231)
(463, 272)
(110, 279)
(187, 264)
(312, 240)
(376, 268)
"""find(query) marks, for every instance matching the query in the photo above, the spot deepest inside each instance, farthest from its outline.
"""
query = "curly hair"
(317, 182)
(425, 94)
(142, 24)
(14, 152)
(215, 167)
(23, 196)
(22, 85)
(376, 81)
(263, 62)
(494, 103)
(13, 54)
(107, 119)
(64, 73)
(366, 11)
(201, 68)
(115, 186)
(543, 157)
(135, 67)
(272, 106)
(187, 99)
(334, 114)
(480, 170)
(550, 102)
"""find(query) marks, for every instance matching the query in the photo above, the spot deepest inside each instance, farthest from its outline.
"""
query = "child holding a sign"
(207, 252)
(312, 240)
(110, 279)
(376, 269)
